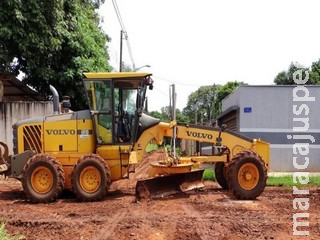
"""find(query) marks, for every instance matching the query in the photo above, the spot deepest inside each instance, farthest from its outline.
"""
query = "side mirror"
(223, 127)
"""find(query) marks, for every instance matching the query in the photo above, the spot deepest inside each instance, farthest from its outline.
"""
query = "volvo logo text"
(61, 132)
(199, 135)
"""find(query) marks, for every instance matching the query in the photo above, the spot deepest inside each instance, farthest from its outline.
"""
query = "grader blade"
(162, 186)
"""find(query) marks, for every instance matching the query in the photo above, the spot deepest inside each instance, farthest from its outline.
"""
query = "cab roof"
(109, 75)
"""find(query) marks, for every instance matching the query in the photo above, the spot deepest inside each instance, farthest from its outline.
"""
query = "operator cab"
(116, 103)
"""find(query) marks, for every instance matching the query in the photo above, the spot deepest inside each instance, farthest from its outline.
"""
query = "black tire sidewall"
(32, 193)
(256, 191)
(219, 169)
(82, 194)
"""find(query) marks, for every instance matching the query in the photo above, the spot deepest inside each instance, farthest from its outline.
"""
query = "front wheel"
(247, 175)
(90, 178)
(43, 178)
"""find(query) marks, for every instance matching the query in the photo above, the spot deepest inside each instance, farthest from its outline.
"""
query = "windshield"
(128, 104)
(116, 106)
(99, 93)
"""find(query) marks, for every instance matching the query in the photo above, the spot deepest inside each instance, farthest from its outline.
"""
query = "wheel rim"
(248, 176)
(42, 180)
(90, 179)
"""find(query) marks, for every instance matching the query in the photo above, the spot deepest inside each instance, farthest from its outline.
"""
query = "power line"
(130, 52)
(115, 5)
(116, 9)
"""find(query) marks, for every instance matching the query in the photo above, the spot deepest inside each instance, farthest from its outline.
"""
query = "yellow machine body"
(233, 141)
(116, 131)
(68, 139)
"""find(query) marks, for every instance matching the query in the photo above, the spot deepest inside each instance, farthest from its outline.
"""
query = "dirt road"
(209, 214)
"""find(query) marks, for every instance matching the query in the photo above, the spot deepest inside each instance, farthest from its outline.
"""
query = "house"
(282, 116)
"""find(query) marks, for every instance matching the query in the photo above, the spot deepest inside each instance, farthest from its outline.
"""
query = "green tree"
(315, 73)
(200, 105)
(181, 118)
(53, 42)
(164, 115)
(222, 92)
(155, 114)
(286, 77)
(126, 68)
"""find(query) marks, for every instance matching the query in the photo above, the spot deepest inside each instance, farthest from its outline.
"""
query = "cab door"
(100, 97)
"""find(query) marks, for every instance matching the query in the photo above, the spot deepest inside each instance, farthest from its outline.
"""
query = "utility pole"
(174, 118)
(120, 67)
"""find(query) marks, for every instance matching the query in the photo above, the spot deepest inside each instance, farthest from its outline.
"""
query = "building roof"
(15, 90)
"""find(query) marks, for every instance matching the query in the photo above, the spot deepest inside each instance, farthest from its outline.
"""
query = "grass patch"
(287, 181)
(5, 236)
(208, 175)
(151, 147)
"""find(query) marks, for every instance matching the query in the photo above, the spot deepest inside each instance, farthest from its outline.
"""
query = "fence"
(11, 112)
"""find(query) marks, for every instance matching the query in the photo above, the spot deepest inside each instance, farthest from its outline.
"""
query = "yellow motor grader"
(85, 151)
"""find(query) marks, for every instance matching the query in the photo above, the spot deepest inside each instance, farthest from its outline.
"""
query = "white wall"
(11, 112)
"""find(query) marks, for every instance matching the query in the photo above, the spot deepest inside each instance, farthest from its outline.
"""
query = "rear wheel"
(43, 178)
(220, 173)
(90, 178)
(247, 175)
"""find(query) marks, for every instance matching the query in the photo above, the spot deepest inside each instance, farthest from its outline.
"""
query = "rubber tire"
(232, 175)
(56, 169)
(100, 164)
(220, 172)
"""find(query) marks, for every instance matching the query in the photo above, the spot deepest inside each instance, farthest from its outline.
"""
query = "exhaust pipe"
(55, 100)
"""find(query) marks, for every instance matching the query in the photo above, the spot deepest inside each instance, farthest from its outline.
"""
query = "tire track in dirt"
(107, 232)
(193, 213)
(201, 223)
(155, 224)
